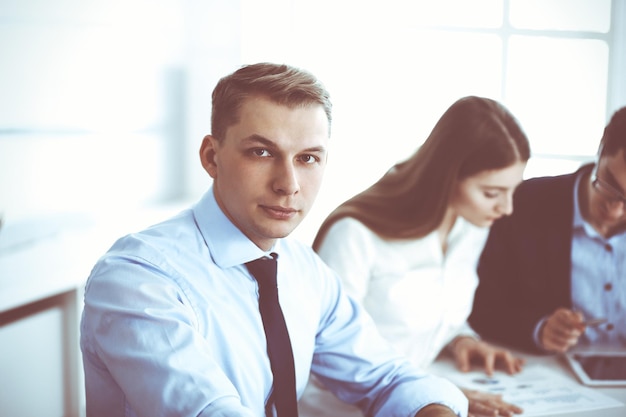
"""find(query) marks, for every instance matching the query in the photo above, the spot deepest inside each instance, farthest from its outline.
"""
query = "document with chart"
(538, 390)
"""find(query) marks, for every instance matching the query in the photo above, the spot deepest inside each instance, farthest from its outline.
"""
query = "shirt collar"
(227, 244)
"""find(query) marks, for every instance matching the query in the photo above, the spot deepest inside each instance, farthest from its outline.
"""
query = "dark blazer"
(525, 268)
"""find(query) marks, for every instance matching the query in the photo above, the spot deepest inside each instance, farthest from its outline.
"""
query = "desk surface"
(52, 254)
(444, 364)
(50, 266)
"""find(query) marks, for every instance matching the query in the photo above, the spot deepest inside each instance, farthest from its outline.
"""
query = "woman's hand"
(466, 349)
(487, 404)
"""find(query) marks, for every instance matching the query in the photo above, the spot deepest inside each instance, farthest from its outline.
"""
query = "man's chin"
(282, 229)
(285, 231)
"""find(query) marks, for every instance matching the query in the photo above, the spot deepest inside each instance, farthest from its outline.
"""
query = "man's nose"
(286, 179)
(617, 209)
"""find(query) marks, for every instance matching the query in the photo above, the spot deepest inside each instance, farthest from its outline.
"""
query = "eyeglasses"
(607, 190)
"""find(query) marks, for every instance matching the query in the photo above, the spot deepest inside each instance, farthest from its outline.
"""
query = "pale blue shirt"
(171, 327)
(599, 281)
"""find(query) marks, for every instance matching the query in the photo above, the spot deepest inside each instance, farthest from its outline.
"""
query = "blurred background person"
(552, 274)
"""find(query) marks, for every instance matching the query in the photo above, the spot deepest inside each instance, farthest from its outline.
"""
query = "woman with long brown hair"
(408, 246)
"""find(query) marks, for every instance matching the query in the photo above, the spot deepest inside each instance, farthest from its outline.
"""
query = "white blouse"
(419, 297)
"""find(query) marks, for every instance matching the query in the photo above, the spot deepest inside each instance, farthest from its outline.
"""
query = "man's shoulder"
(536, 191)
(297, 250)
(172, 249)
(162, 238)
(547, 182)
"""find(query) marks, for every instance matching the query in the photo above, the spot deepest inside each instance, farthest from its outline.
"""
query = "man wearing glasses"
(553, 274)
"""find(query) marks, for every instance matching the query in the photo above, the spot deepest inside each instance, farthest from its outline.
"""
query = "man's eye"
(261, 152)
(308, 159)
(491, 194)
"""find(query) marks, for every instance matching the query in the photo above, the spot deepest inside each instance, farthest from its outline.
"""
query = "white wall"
(102, 106)
(102, 102)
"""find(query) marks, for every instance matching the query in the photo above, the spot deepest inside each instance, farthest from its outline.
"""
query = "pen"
(594, 322)
(591, 322)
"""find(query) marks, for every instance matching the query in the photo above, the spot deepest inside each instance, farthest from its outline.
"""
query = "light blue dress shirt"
(171, 327)
(599, 281)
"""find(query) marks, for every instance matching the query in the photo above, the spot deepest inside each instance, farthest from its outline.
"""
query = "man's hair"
(614, 137)
(282, 84)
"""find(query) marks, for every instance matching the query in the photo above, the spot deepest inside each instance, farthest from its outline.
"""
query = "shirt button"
(609, 326)
(608, 286)
(608, 247)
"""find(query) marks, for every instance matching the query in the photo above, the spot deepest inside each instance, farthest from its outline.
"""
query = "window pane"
(265, 30)
(375, 15)
(400, 82)
(539, 166)
(82, 76)
(579, 15)
(558, 87)
(459, 13)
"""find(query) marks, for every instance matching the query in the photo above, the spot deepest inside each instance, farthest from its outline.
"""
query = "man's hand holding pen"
(563, 328)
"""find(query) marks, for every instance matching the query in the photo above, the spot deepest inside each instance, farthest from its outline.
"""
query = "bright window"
(393, 67)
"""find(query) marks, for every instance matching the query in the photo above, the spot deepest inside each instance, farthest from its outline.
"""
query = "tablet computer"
(599, 368)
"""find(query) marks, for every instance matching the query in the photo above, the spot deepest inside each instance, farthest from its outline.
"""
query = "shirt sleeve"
(466, 330)
(536, 330)
(138, 331)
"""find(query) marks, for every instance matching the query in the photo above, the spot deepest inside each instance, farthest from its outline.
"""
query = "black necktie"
(278, 343)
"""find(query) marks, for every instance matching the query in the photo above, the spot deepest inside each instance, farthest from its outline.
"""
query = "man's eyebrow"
(262, 140)
(315, 149)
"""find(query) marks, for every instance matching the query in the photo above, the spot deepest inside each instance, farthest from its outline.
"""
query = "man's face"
(268, 168)
(607, 211)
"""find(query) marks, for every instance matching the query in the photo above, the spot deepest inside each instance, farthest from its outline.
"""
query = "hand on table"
(487, 404)
(466, 349)
(561, 330)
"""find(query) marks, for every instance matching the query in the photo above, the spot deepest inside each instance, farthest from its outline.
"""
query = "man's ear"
(208, 151)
